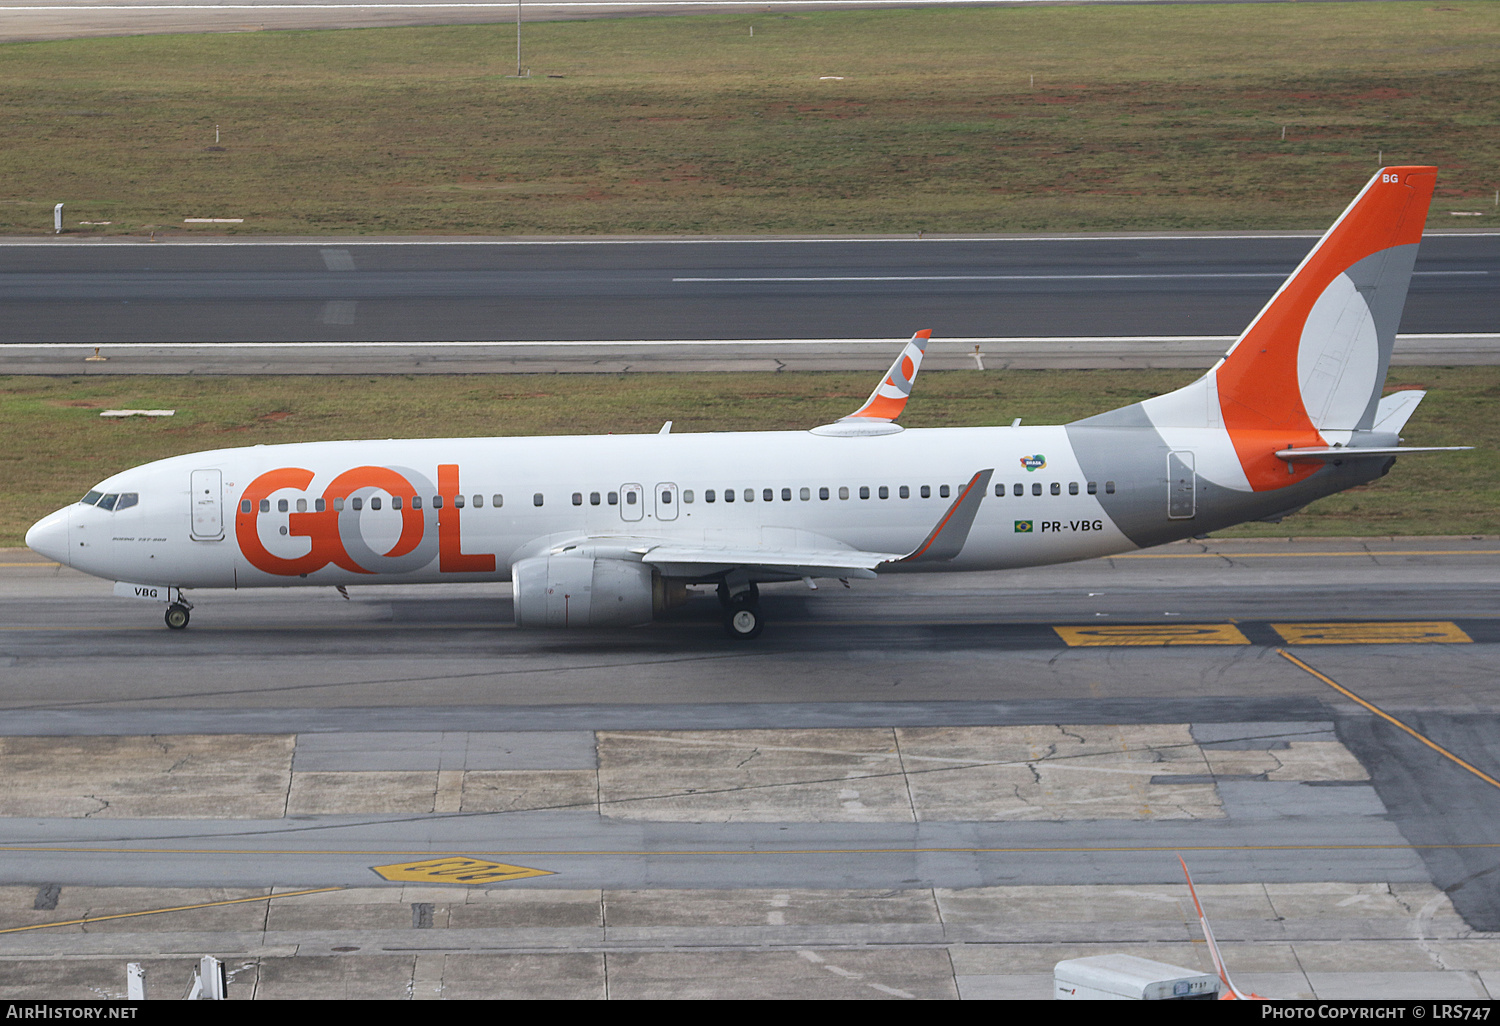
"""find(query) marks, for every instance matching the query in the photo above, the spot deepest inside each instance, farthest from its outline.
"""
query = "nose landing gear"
(177, 613)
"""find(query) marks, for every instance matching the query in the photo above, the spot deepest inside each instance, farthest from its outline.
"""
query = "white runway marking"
(666, 343)
(1030, 277)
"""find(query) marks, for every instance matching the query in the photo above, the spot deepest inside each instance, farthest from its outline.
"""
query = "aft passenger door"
(207, 495)
(632, 502)
(1182, 486)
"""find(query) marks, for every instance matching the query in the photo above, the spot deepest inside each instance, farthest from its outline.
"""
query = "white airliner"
(610, 530)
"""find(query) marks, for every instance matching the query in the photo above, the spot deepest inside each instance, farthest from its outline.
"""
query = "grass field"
(1139, 117)
(58, 446)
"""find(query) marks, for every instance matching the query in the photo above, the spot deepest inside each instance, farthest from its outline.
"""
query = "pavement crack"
(754, 753)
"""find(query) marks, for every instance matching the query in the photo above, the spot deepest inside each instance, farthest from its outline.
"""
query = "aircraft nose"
(49, 536)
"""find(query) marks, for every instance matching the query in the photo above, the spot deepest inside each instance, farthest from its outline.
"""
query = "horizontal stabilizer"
(1338, 453)
(1394, 410)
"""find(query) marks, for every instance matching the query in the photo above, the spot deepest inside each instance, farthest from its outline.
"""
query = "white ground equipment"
(1128, 978)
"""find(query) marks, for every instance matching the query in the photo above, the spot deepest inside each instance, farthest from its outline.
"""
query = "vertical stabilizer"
(1310, 367)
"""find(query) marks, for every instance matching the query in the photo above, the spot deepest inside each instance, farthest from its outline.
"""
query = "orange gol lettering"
(321, 528)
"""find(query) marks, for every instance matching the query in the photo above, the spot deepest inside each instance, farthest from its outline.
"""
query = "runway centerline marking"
(1436, 632)
(1152, 634)
(1387, 717)
(174, 908)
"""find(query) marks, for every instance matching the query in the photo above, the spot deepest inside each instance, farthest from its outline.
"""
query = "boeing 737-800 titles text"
(610, 530)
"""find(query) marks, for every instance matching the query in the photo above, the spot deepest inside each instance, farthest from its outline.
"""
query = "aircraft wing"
(943, 542)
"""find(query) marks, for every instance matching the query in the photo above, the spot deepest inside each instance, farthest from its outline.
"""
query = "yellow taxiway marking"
(160, 911)
(738, 852)
(1441, 632)
(460, 869)
(31, 563)
(1387, 717)
(1157, 634)
(1303, 555)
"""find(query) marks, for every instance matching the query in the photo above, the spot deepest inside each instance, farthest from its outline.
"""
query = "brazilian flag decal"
(1023, 526)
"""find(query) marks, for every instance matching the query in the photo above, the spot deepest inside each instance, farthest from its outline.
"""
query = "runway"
(938, 784)
(580, 290)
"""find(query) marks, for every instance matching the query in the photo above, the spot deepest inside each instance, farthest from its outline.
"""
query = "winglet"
(1234, 994)
(947, 539)
(889, 397)
(877, 416)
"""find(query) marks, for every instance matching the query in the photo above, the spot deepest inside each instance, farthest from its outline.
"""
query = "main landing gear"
(742, 616)
(177, 613)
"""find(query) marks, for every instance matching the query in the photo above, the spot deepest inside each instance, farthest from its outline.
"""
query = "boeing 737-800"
(611, 530)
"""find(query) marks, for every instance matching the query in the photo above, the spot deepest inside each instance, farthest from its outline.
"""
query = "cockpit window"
(114, 503)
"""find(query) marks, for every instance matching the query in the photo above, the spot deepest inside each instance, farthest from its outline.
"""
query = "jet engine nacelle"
(574, 591)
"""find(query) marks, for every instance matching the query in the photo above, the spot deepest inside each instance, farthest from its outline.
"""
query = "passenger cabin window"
(395, 502)
(593, 498)
(458, 502)
(804, 495)
(864, 491)
(497, 500)
(358, 502)
(1109, 488)
(1056, 487)
(927, 491)
(536, 500)
(687, 495)
(786, 495)
(843, 492)
(629, 499)
(578, 498)
(320, 505)
(338, 505)
(666, 498)
(614, 498)
(708, 495)
(885, 493)
(1019, 489)
(245, 506)
(479, 502)
(280, 505)
(1093, 487)
(750, 495)
(823, 494)
(416, 502)
(904, 492)
(437, 502)
(767, 495)
(1036, 488)
(999, 491)
(729, 495)
(1072, 487)
(375, 501)
(942, 491)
